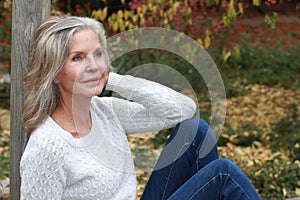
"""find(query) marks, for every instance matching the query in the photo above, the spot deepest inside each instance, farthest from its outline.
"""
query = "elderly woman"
(78, 147)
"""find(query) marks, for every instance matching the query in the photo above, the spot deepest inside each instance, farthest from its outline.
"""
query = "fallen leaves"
(262, 107)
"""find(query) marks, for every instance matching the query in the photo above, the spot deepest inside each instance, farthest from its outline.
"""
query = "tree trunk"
(26, 16)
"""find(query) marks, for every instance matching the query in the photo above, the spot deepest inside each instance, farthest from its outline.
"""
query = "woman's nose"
(94, 64)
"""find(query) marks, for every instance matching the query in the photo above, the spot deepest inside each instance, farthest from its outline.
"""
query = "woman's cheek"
(101, 85)
(106, 74)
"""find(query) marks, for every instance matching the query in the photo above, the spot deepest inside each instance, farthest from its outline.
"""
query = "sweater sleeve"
(148, 106)
(42, 176)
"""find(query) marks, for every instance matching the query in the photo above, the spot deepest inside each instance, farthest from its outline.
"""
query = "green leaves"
(271, 22)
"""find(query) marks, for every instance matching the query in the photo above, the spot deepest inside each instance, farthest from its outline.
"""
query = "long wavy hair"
(50, 51)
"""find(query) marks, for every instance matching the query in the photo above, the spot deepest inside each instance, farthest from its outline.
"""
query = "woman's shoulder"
(44, 140)
(45, 155)
(102, 104)
(100, 100)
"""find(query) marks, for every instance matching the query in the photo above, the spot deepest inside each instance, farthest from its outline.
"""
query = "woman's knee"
(198, 124)
(225, 165)
(197, 132)
(195, 122)
(201, 129)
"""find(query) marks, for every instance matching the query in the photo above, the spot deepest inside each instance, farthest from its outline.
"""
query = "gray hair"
(49, 53)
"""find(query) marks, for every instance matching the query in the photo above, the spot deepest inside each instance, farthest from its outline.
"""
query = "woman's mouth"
(92, 81)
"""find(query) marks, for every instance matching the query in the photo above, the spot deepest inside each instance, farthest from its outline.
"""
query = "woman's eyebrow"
(98, 49)
(75, 52)
(81, 51)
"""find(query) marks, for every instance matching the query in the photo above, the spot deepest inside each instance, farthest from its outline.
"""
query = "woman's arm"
(149, 106)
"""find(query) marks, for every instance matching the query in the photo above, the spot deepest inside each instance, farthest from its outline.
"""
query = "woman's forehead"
(84, 39)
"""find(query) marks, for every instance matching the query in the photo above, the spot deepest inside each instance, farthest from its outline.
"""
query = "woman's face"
(85, 71)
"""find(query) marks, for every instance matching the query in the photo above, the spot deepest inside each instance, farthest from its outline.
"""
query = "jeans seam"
(197, 153)
(213, 178)
(168, 177)
(238, 186)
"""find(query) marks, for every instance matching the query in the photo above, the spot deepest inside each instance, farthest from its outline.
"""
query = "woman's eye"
(77, 58)
(98, 54)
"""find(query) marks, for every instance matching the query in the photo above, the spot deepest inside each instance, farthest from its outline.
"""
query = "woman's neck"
(74, 116)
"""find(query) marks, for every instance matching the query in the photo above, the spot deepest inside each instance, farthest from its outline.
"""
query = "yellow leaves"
(199, 40)
(140, 189)
(150, 6)
(233, 139)
(127, 14)
(175, 5)
(134, 18)
(4, 138)
(236, 50)
(248, 157)
(232, 13)
(4, 119)
(139, 10)
(263, 106)
(231, 10)
(4, 147)
(100, 14)
(122, 20)
(207, 39)
(142, 20)
(225, 55)
(297, 191)
(115, 26)
(241, 9)
(256, 2)
(161, 13)
(120, 14)
(284, 192)
(121, 25)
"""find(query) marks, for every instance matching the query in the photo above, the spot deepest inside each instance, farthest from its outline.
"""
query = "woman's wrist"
(113, 80)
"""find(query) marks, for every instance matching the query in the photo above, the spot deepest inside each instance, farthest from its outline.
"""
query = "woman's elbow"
(190, 109)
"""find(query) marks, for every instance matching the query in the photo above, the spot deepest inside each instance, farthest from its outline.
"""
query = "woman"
(78, 148)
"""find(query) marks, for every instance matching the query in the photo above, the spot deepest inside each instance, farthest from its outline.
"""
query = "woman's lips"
(92, 81)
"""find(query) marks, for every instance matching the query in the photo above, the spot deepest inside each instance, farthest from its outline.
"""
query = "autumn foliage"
(5, 34)
(199, 19)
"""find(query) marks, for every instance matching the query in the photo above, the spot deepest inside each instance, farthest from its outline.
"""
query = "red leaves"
(270, 2)
(5, 34)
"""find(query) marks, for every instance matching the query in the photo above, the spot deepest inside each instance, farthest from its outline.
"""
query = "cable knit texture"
(55, 165)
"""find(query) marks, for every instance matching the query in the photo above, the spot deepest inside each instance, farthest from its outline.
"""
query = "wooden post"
(26, 16)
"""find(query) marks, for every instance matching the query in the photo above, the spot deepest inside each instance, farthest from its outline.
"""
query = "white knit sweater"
(99, 166)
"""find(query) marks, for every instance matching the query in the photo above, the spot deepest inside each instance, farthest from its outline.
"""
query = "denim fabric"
(189, 168)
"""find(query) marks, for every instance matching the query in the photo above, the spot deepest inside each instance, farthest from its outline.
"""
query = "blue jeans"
(189, 169)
